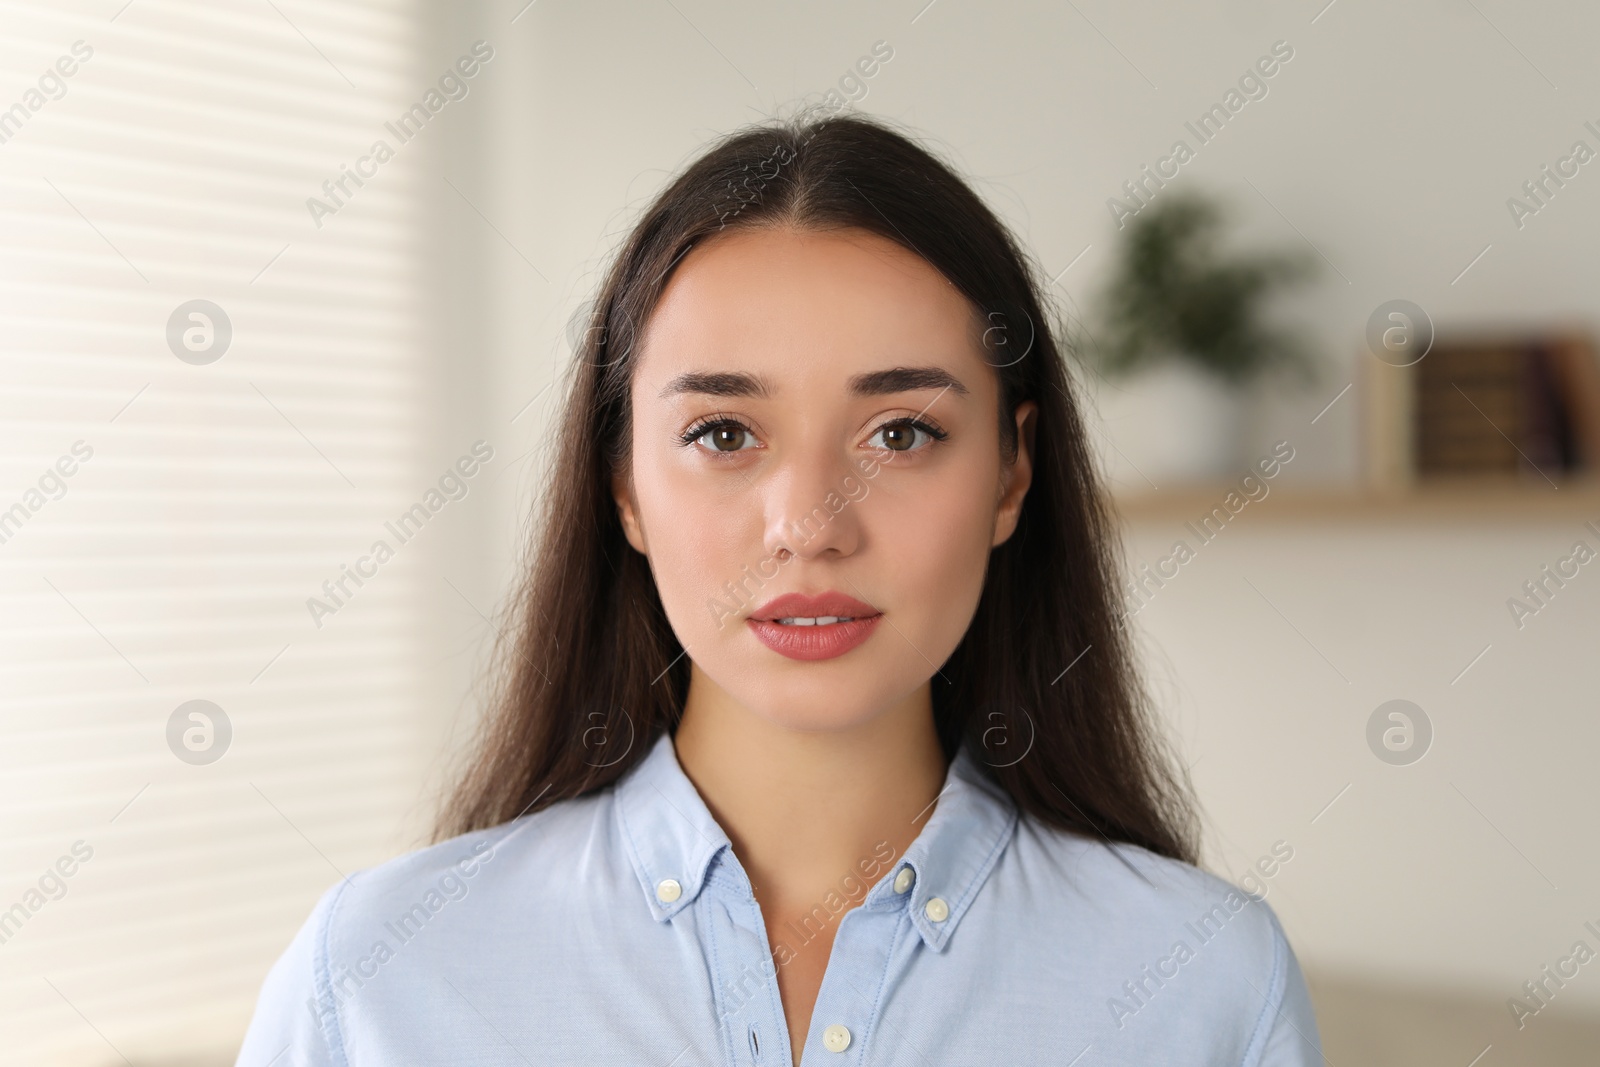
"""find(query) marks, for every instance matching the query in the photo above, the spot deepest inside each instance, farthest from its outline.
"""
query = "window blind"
(213, 398)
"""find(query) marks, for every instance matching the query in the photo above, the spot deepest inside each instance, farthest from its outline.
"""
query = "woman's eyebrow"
(873, 383)
(718, 383)
(904, 379)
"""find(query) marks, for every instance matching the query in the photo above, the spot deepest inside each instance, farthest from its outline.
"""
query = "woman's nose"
(809, 510)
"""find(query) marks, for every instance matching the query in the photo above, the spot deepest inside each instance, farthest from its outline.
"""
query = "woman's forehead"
(784, 302)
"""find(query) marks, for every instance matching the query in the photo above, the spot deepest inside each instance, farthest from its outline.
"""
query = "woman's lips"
(819, 641)
(813, 626)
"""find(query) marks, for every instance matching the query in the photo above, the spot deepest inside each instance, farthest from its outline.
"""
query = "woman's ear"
(628, 510)
(1016, 476)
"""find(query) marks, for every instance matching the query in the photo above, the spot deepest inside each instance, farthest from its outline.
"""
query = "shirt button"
(936, 909)
(668, 890)
(903, 880)
(836, 1038)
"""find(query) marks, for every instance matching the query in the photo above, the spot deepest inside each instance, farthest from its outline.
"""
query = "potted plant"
(1180, 339)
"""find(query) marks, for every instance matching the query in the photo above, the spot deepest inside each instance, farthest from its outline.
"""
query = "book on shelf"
(1490, 407)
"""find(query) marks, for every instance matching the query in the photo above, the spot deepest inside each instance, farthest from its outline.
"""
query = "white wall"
(1470, 868)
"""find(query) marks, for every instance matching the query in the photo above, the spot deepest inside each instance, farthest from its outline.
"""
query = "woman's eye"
(726, 437)
(901, 436)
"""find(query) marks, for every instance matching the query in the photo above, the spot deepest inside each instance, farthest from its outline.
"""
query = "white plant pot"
(1170, 425)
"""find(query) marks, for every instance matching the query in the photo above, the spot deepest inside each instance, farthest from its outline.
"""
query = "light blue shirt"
(619, 930)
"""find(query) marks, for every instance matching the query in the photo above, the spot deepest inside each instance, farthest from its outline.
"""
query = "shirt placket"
(748, 1003)
(846, 1015)
(744, 981)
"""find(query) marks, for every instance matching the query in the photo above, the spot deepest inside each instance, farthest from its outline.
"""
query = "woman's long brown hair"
(592, 672)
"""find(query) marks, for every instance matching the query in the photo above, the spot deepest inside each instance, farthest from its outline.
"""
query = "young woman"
(820, 741)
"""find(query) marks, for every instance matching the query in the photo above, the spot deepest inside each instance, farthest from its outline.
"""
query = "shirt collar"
(670, 834)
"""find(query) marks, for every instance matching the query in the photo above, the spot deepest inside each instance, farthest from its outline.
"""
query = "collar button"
(668, 890)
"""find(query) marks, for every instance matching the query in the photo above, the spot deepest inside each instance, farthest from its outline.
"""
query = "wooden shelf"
(1479, 501)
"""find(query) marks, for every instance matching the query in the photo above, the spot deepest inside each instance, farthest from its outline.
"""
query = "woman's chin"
(820, 708)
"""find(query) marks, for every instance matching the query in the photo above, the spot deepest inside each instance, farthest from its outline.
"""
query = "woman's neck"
(804, 809)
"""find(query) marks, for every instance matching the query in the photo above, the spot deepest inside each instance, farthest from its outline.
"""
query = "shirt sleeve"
(1292, 1037)
(295, 1024)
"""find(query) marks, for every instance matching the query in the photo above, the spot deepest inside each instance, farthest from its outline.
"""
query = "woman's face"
(813, 415)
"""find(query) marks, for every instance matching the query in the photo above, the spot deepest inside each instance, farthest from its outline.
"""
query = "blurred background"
(271, 268)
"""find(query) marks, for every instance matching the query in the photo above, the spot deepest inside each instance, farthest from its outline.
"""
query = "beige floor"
(1374, 1025)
